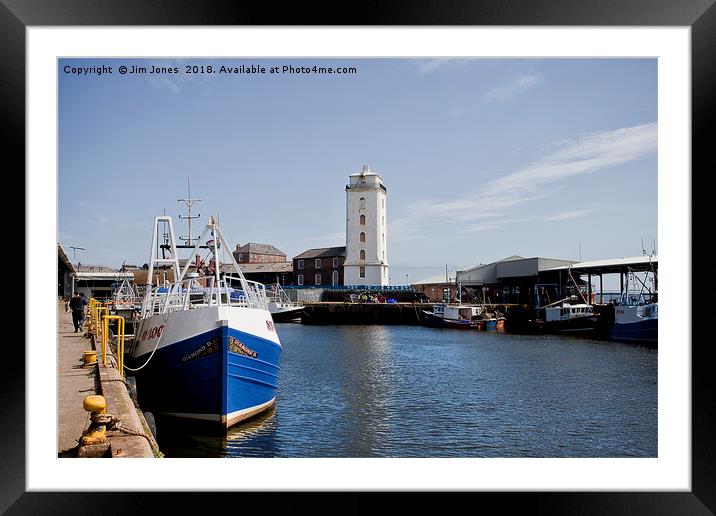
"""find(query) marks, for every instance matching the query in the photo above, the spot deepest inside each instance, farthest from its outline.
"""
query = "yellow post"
(120, 340)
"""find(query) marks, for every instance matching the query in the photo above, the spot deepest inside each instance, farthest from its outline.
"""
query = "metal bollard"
(95, 433)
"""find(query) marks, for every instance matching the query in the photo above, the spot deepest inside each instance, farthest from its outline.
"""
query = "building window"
(335, 262)
(300, 264)
(362, 237)
(300, 279)
(241, 257)
(362, 272)
(383, 236)
(382, 220)
(362, 254)
(317, 279)
(318, 263)
(335, 278)
(382, 203)
(362, 220)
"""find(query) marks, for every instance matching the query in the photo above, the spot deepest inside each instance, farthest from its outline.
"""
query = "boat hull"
(578, 324)
(434, 321)
(219, 365)
(643, 332)
(287, 314)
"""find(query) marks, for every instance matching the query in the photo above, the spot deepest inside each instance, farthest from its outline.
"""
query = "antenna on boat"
(189, 203)
(74, 251)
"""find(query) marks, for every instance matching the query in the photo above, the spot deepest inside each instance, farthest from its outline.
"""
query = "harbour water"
(412, 391)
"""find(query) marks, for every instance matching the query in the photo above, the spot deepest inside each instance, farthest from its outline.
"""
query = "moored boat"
(636, 323)
(206, 348)
(636, 316)
(281, 307)
(568, 316)
(451, 316)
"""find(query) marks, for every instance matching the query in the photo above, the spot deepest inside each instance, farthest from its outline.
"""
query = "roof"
(438, 279)
(106, 275)
(94, 268)
(322, 252)
(253, 247)
(508, 259)
(62, 255)
(276, 267)
(612, 264)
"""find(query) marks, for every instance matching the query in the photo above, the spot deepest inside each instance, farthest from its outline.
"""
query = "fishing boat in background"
(568, 315)
(452, 316)
(206, 348)
(281, 307)
(636, 316)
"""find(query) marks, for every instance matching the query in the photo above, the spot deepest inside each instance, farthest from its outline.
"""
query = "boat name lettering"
(211, 346)
(152, 333)
(236, 346)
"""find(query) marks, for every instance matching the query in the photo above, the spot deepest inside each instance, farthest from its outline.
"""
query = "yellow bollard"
(89, 358)
(95, 433)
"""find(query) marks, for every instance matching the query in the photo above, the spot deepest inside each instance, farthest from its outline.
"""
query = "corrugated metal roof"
(612, 262)
(509, 258)
(321, 252)
(435, 280)
(87, 275)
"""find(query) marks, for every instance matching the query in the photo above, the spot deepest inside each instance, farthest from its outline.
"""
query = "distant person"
(77, 305)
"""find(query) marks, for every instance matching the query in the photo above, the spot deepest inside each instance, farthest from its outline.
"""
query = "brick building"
(258, 253)
(322, 266)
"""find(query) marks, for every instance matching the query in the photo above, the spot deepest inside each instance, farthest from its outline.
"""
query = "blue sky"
(483, 158)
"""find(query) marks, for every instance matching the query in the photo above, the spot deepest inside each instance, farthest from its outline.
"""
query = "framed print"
(335, 169)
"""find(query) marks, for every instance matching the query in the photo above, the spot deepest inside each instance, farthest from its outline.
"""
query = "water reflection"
(401, 391)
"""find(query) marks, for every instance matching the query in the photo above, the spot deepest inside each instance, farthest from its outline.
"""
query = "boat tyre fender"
(151, 423)
(132, 387)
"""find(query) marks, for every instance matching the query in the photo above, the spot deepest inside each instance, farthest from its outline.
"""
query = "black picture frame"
(699, 15)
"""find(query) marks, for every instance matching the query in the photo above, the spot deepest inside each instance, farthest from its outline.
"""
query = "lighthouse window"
(362, 254)
(362, 272)
(362, 220)
(362, 237)
(361, 205)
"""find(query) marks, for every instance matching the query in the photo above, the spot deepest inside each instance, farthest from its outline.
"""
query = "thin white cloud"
(497, 202)
(568, 215)
(582, 156)
(428, 66)
(513, 88)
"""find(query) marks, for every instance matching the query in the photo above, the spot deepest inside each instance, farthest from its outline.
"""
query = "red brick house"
(319, 267)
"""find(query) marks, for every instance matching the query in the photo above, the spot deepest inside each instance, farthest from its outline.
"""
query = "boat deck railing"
(202, 292)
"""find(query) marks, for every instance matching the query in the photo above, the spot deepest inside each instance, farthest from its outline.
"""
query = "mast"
(189, 203)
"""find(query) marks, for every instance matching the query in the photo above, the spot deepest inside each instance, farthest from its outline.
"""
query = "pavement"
(74, 382)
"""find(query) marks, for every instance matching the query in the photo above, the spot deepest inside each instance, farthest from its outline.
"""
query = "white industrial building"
(366, 230)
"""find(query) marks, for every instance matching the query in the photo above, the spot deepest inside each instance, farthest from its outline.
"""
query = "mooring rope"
(114, 423)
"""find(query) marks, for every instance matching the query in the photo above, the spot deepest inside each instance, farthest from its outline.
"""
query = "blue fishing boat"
(206, 348)
(636, 316)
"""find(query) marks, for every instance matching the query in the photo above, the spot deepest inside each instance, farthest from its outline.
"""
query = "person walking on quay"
(77, 305)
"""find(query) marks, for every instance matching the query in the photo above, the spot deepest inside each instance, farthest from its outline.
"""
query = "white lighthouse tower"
(366, 231)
